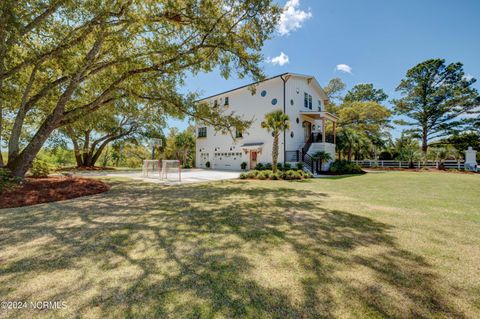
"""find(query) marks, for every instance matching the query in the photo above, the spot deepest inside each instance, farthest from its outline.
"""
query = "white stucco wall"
(254, 107)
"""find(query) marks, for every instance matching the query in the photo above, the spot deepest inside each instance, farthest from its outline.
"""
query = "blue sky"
(376, 40)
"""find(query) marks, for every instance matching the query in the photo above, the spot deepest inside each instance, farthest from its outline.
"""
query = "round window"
(264, 93)
(291, 102)
(298, 121)
(291, 134)
(274, 102)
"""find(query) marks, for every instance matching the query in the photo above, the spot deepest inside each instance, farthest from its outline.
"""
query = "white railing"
(449, 164)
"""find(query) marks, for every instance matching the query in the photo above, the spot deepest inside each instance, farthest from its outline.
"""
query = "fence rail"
(449, 164)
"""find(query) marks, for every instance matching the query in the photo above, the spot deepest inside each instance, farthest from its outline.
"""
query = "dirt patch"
(52, 189)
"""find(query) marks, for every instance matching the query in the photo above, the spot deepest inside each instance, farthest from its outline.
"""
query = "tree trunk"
(20, 164)
(424, 140)
(1, 123)
(14, 142)
(275, 152)
(349, 155)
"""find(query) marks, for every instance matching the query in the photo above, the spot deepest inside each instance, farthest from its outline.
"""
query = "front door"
(307, 128)
(253, 159)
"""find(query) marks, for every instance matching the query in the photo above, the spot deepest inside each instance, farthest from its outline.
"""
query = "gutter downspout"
(284, 112)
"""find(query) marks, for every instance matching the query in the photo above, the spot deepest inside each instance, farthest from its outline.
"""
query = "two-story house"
(299, 96)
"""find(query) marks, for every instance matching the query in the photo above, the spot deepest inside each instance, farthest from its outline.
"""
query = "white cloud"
(282, 59)
(344, 68)
(292, 18)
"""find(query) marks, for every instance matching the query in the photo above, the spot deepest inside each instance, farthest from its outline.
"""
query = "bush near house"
(280, 167)
(279, 175)
(340, 167)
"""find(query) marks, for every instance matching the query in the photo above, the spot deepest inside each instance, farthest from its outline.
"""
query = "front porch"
(315, 140)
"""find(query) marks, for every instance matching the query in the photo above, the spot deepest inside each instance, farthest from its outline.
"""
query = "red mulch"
(51, 189)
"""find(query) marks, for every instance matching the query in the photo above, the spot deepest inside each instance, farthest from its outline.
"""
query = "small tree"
(322, 156)
(276, 122)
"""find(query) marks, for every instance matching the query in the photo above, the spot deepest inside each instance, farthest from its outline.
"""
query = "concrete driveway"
(187, 176)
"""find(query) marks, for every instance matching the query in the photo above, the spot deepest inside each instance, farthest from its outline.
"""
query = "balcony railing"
(317, 138)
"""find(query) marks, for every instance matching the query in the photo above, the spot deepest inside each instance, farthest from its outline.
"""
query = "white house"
(299, 96)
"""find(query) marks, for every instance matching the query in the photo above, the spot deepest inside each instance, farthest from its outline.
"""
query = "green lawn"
(386, 244)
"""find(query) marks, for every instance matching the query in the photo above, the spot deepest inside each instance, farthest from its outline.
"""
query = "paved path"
(187, 176)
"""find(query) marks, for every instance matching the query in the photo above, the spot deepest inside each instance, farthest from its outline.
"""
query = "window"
(238, 134)
(215, 103)
(202, 132)
(291, 102)
(264, 93)
(226, 100)
(319, 105)
(274, 102)
(307, 100)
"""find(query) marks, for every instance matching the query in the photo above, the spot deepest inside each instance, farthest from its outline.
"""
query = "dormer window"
(238, 134)
(226, 101)
(215, 103)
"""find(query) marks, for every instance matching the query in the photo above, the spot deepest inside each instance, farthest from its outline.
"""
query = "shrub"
(7, 181)
(287, 166)
(40, 168)
(243, 176)
(187, 165)
(280, 166)
(267, 174)
(207, 164)
(268, 166)
(259, 167)
(243, 165)
(345, 167)
(300, 166)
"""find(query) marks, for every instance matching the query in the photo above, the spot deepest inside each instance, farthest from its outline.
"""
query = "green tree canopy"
(365, 92)
(435, 96)
(61, 60)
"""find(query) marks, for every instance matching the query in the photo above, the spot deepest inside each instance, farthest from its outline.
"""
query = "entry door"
(253, 159)
(307, 130)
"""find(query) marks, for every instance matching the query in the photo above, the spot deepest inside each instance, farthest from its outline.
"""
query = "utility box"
(471, 159)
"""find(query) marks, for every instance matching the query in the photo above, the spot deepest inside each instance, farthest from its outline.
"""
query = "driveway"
(188, 176)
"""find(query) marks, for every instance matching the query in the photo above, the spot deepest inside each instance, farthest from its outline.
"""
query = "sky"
(362, 41)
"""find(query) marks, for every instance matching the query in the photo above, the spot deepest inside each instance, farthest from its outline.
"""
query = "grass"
(381, 245)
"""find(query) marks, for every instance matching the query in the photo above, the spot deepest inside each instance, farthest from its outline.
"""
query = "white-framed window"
(202, 132)
(307, 100)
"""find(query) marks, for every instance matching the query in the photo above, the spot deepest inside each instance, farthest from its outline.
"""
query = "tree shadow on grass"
(228, 250)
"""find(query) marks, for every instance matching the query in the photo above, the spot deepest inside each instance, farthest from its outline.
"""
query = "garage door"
(228, 161)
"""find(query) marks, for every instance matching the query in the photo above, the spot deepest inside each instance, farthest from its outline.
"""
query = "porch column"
(323, 130)
(334, 132)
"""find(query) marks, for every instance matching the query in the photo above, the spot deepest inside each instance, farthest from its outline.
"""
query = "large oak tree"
(435, 97)
(62, 60)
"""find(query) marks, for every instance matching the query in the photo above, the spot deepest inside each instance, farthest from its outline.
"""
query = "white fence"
(449, 164)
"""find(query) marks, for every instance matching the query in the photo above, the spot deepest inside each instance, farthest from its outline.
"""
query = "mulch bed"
(45, 190)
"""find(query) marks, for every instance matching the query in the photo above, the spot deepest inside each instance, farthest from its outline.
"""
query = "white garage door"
(228, 161)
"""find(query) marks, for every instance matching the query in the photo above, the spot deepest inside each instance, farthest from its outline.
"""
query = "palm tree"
(322, 157)
(349, 139)
(276, 122)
